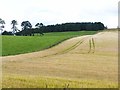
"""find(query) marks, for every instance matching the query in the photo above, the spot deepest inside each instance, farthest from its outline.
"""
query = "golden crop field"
(89, 61)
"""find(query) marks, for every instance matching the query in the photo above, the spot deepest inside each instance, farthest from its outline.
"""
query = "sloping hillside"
(92, 59)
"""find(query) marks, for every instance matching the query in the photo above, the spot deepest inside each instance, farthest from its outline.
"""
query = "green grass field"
(13, 45)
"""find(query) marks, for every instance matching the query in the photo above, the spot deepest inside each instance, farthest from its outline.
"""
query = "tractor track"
(70, 48)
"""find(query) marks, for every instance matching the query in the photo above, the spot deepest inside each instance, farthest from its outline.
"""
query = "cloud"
(59, 11)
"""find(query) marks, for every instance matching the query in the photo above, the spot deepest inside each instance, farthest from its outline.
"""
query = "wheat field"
(89, 61)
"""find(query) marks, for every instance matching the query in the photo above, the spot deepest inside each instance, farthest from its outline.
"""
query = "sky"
(51, 12)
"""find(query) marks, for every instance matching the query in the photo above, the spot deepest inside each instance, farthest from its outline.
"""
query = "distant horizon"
(62, 23)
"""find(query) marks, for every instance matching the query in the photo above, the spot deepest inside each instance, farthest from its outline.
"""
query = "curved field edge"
(18, 81)
(14, 45)
(69, 70)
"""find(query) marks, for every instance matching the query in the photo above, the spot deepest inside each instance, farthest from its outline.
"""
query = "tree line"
(40, 28)
(87, 26)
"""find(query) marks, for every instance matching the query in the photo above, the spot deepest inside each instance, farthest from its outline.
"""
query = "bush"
(7, 33)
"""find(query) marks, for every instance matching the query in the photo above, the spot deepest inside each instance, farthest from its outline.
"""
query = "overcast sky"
(59, 11)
